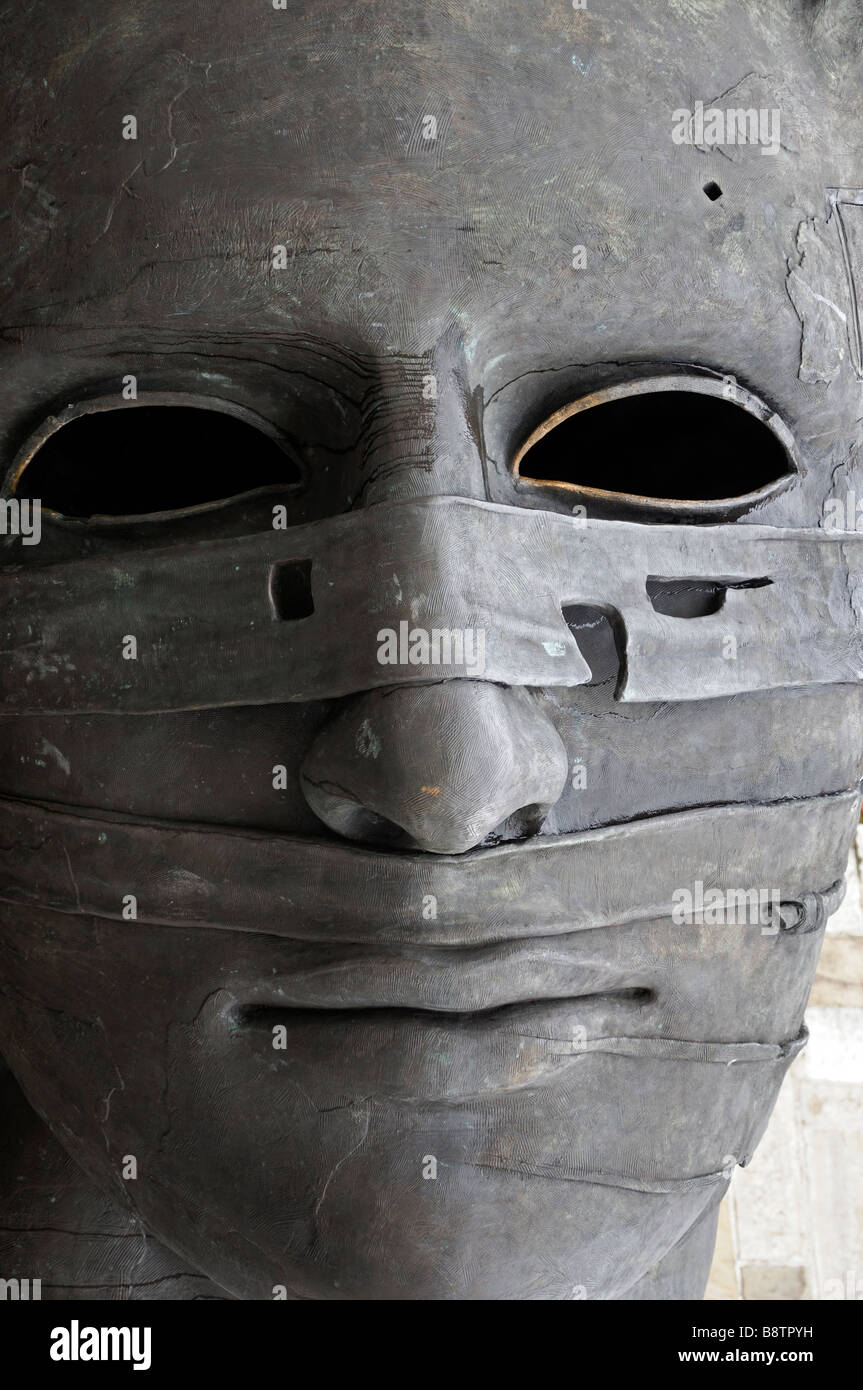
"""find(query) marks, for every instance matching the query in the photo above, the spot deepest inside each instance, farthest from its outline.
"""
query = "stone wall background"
(791, 1226)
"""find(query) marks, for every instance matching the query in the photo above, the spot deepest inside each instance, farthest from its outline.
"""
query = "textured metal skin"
(792, 607)
(373, 967)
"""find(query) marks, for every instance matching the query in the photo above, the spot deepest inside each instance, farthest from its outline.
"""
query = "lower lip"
(402, 1054)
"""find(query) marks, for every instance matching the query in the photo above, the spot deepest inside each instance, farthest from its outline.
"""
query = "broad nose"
(436, 767)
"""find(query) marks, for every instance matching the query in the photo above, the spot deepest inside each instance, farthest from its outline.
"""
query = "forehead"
(422, 167)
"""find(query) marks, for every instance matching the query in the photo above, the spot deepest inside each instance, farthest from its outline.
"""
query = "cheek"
(208, 766)
(643, 759)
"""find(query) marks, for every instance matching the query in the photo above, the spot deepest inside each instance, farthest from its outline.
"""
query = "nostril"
(343, 813)
(521, 825)
(349, 817)
(363, 824)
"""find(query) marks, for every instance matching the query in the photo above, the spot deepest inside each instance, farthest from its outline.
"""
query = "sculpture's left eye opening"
(677, 443)
(106, 461)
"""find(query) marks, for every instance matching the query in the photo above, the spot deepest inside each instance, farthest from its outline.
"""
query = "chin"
(521, 1151)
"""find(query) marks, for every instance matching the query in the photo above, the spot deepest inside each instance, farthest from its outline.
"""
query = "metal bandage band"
(297, 615)
(73, 861)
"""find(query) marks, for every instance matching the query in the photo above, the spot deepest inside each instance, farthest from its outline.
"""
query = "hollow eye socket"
(136, 461)
(668, 446)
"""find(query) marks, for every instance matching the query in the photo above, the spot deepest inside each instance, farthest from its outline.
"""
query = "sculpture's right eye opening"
(147, 460)
(668, 443)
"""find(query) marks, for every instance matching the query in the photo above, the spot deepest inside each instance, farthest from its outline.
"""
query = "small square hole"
(291, 590)
(713, 191)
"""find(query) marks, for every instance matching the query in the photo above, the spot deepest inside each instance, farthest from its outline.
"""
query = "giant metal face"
(433, 590)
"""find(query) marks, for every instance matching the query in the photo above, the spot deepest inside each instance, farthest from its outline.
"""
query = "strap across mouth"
(71, 861)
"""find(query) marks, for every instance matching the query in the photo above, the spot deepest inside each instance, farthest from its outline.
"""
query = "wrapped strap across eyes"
(441, 588)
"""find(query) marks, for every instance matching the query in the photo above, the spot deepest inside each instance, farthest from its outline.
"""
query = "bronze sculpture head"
(433, 590)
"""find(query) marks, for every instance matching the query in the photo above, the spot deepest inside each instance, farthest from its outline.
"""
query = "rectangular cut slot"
(601, 637)
(291, 590)
(686, 597)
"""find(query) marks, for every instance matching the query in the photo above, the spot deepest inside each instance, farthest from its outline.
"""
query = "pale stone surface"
(840, 973)
(791, 1227)
(835, 1050)
(723, 1274)
(848, 918)
(774, 1281)
(834, 1162)
(769, 1212)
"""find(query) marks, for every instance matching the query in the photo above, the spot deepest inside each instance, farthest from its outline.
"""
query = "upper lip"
(453, 980)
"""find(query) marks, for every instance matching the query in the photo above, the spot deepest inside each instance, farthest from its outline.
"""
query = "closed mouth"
(405, 1054)
(458, 983)
(267, 1017)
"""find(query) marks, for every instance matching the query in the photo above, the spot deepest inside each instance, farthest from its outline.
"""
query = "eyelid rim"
(95, 405)
(725, 388)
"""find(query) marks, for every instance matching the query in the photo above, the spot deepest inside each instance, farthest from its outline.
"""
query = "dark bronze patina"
(340, 958)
